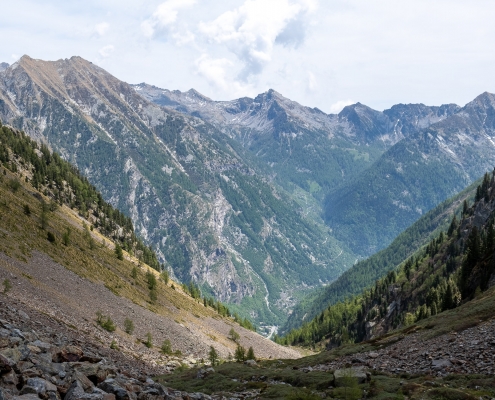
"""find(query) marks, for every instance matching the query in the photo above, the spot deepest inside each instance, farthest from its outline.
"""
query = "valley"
(252, 248)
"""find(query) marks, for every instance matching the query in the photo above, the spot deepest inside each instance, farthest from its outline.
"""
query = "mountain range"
(257, 200)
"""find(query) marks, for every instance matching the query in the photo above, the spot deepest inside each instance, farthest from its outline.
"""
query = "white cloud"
(183, 38)
(164, 17)
(101, 28)
(214, 70)
(106, 51)
(251, 30)
(337, 107)
(312, 83)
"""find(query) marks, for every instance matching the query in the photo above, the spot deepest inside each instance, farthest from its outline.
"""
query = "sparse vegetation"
(66, 237)
(118, 252)
(240, 353)
(233, 335)
(128, 326)
(166, 347)
(6, 286)
(105, 322)
(149, 341)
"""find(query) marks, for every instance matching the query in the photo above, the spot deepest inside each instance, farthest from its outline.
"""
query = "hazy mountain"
(413, 176)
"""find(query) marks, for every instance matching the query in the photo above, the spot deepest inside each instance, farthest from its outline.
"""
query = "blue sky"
(323, 54)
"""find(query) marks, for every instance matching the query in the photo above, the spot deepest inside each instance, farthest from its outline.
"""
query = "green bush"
(128, 326)
(14, 185)
(148, 343)
(118, 252)
(105, 322)
(166, 347)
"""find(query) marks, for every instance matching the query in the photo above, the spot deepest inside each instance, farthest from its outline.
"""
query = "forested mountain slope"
(455, 267)
(365, 272)
(304, 146)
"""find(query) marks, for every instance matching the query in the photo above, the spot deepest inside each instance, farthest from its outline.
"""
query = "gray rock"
(4, 333)
(14, 354)
(18, 333)
(41, 385)
(251, 363)
(42, 345)
(23, 315)
(29, 396)
(440, 363)
(6, 364)
(111, 386)
(76, 392)
(342, 376)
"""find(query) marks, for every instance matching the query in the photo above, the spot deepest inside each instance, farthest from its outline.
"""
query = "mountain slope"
(413, 176)
(57, 263)
(208, 212)
(455, 267)
(364, 273)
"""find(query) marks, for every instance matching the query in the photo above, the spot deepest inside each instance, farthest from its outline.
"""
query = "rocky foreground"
(42, 358)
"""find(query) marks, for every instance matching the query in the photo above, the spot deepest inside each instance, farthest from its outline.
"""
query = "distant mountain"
(303, 146)
(211, 214)
(413, 176)
(3, 66)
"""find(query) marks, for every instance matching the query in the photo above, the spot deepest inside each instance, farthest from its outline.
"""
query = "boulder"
(6, 364)
(42, 386)
(14, 354)
(67, 354)
(343, 376)
(111, 386)
(43, 346)
(29, 396)
(76, 392)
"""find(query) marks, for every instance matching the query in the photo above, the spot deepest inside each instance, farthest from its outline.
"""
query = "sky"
(320, 53)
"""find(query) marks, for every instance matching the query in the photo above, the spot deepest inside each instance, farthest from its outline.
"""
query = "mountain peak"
(3, 66)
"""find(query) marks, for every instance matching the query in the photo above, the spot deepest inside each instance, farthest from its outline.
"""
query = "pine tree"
(250, 354)
(213, 356)
(240, 353)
